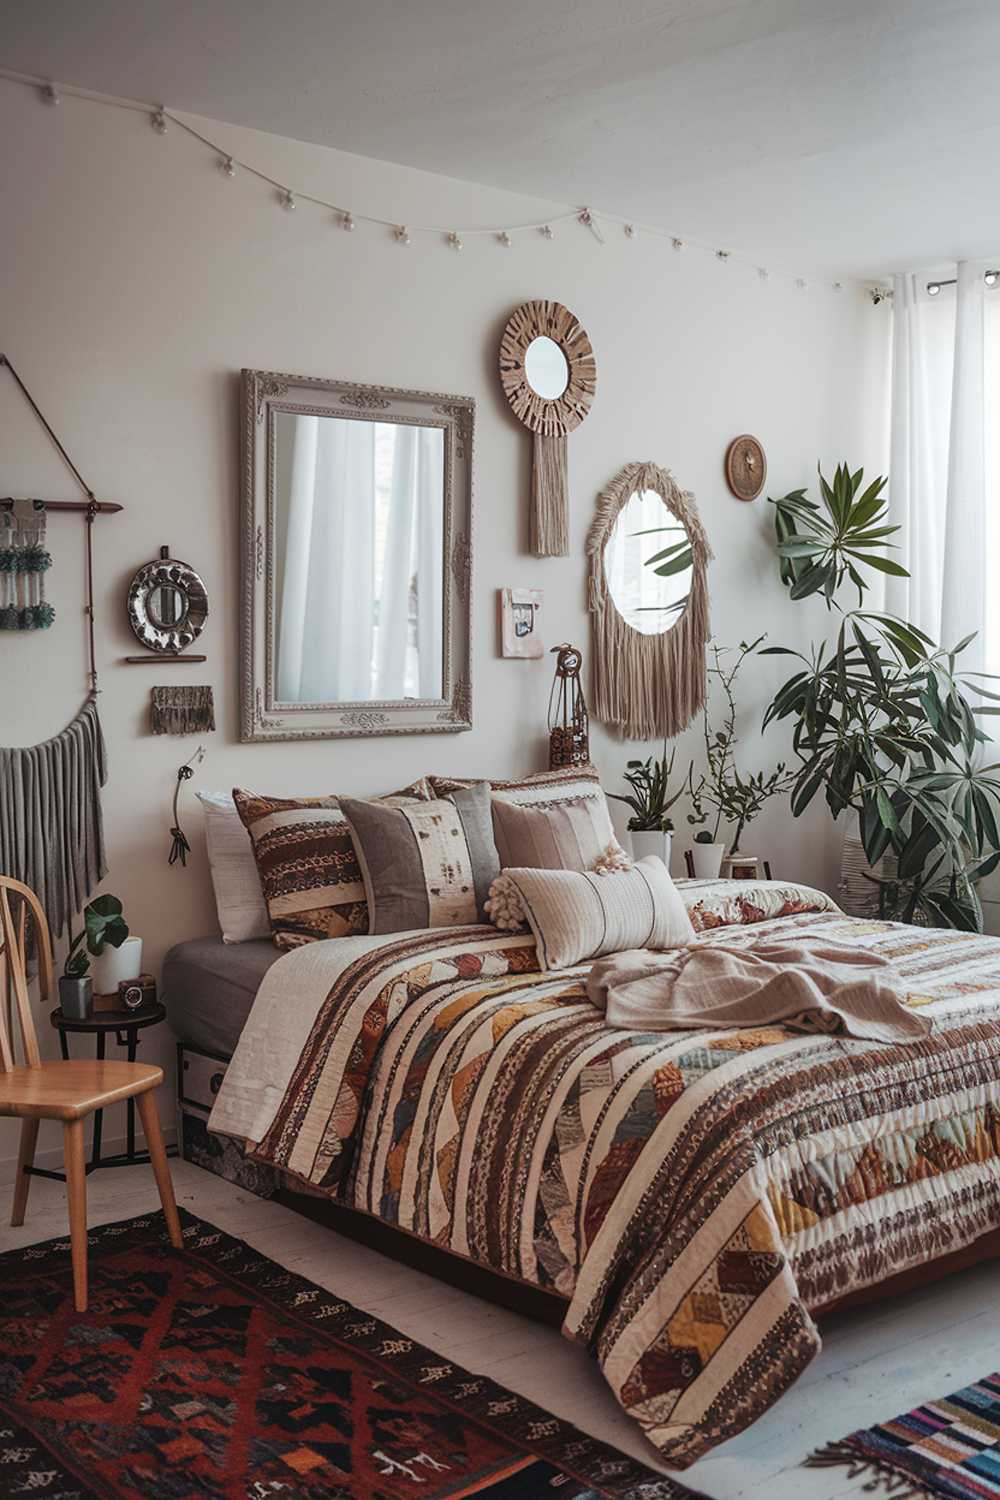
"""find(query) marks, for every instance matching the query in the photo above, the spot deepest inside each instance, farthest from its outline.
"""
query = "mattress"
(209, 987)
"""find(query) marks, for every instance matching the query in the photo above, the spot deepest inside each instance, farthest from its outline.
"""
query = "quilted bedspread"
(693, 1196)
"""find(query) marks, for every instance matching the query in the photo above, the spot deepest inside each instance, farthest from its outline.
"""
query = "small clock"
(746, 467)
(136, 994)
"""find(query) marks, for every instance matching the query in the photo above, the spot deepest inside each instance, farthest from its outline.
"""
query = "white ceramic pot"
(114, 965)
(651, 841)
(707, 860)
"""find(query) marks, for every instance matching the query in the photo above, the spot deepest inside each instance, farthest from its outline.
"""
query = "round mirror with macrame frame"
(549, 376)
(648, 558)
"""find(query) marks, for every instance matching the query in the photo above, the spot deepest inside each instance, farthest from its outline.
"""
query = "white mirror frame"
(265, 393)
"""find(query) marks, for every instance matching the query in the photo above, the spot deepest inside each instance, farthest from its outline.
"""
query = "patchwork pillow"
(239, 900)
(576, 785)
(577, 915)
(425, 864)
(307, 866)
(570, 834)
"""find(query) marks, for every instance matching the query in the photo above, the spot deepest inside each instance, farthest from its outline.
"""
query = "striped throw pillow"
(576, 787)
(425, 864)
(309, 872)
(577, 915)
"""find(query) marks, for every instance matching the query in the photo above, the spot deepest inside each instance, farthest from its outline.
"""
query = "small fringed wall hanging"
(569, 724)
(181, 710)
(24, 562)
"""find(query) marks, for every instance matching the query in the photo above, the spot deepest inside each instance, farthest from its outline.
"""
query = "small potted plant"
(650, 802)
(103, 925)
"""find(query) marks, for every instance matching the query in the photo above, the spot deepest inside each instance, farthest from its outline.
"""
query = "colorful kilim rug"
(215, 1373)
(948, 1448)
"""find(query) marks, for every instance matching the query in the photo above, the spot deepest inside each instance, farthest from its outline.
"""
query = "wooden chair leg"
(22, 1182)
(161, 1169)
(76, 1192)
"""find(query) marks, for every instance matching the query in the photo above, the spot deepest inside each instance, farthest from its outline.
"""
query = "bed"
(691, 1199)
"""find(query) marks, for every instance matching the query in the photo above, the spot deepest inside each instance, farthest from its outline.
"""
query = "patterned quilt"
(693, 1196)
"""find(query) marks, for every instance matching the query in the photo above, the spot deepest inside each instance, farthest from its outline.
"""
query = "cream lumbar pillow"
(239, 900)
(577, 915)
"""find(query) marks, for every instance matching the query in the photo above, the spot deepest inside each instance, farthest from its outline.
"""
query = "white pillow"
(239, 900)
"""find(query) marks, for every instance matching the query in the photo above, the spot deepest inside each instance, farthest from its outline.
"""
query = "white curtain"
(360, 599)
(942, 482)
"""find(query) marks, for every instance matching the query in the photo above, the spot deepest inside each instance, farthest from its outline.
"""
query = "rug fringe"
(881, 1476)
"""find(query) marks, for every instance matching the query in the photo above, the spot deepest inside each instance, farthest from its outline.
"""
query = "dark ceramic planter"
(75, 996)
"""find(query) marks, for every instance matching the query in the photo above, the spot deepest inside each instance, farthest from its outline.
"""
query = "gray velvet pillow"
(428, 864)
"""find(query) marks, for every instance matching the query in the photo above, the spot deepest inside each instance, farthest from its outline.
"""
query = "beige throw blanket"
(813, 985)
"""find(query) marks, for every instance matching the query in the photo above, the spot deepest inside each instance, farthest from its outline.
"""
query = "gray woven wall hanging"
(181, 710)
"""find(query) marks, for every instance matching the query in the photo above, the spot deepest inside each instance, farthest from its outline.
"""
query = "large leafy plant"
(883, 725)
(649, 797)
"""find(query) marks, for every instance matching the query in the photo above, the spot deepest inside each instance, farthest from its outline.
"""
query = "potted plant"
(103, 925)
(724, 791)
(650, 801)
(882, 724)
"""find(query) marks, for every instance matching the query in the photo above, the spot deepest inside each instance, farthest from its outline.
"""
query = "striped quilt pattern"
(693, 1197)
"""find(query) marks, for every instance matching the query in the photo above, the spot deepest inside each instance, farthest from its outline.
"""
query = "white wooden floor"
(876, 1361)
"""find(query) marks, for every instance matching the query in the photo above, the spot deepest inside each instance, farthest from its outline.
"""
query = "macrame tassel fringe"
(181, 710)
(882, 1478)
(51, 829)
(24, 561)
(550, 496)
(648, 686)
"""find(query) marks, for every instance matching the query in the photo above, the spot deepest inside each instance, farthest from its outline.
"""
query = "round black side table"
(126, 1025)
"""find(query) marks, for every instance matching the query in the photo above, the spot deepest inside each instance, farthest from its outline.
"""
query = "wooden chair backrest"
(17, 904)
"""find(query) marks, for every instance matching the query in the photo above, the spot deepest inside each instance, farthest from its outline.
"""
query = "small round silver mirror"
(546, 368)
(167, 604)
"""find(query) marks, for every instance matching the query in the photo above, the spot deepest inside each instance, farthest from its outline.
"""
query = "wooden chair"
(66, 1091)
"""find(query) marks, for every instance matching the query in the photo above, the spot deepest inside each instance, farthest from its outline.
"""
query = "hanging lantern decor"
(569, 723)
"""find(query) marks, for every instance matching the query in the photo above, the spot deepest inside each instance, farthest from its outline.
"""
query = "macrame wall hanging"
(648, 642)
(24, 563)
(181, 710)
(51, 827)
(549, 375)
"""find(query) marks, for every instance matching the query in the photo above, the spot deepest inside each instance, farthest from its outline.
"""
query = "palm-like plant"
(820, 545)
(883, 726)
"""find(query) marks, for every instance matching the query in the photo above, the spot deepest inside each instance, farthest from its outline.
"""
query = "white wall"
(143, 280)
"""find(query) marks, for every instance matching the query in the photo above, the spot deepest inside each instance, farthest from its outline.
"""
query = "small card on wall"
(520, 633)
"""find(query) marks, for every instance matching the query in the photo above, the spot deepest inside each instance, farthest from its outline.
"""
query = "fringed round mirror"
(549, 375)
(649, 604)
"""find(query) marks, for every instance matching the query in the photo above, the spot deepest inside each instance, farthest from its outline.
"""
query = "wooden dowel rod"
(160, 659)
(100, 507)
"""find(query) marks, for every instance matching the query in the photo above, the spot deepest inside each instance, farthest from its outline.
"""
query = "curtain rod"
(933, 287)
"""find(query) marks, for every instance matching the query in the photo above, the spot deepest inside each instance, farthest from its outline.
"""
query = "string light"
(160, 119)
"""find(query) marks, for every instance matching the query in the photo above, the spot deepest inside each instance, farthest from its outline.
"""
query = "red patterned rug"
(214, 1372)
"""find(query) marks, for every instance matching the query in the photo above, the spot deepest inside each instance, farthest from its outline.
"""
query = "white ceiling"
(849, 136)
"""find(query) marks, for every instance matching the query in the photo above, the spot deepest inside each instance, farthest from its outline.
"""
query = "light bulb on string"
(801, 283)
(402, 234)
(763, 273)
(49, 94)
(677, 244)
(455, 240)
(158, 120)
(629, 230)
(723, 254)
(227, 166)
(547, 232)
(503, 238)
(287, 199)
(347, 221)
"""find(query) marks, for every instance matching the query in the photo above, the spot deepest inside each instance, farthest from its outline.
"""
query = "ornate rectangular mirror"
(356, 559)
